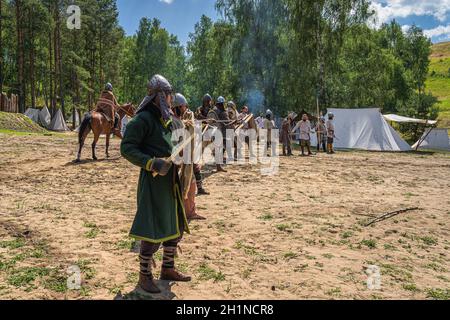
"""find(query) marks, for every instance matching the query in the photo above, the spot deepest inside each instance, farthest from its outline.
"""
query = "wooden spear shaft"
(180, 148)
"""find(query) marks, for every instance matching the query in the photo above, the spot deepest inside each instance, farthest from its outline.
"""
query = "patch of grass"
(411, 287)
(435, 267)
(93, 232)
(397, 273)
(335, 292)
(88, 271)
(266, 217)
(410, 195)
(389, 246)
(6, 265)
(18, 124)
(126, 244)
(132, 277)
(13, 244)
(284, 228)
(429, 241)
(116, 289)
(438, 294)
(208, 273)
(220, 225)
(347, 235)
(290, 255)
(371, 244)
(249, 250)
(25, 276)
(90, 225)
(56, 281)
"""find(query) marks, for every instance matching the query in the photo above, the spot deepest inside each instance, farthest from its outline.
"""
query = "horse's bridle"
(126, 112)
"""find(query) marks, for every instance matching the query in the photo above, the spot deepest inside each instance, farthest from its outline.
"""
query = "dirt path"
(297, 235)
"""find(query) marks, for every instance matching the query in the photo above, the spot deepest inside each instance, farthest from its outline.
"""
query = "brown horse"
(99, 124)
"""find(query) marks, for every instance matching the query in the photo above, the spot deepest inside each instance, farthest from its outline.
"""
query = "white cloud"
(440, 32)
(390, 9)
(166, 1)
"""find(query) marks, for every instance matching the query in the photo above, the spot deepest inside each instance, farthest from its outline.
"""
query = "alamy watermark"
(74, 19)
(74, 278)
(374, 277)
(215, 147)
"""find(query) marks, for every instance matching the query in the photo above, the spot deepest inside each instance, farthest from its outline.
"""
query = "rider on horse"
(107, 105)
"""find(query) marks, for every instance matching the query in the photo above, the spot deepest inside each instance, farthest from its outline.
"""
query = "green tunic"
(160, 209)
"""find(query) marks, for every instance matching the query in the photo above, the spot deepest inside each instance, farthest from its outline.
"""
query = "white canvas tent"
(401, 119)
(75, 115)
(364, 129)
(33, 114)
(58, 123)
(434, 139)
(45, 117)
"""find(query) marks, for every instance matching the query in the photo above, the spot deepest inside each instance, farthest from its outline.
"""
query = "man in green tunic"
(160, 217)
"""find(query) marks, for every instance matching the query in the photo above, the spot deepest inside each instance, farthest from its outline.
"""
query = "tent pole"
(424, 138)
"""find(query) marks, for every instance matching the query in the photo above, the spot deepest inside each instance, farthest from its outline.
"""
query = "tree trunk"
(1, 48)
(52, 75)
(20, 56)
(32, 66)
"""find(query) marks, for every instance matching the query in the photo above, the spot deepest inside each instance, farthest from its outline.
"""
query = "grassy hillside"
(439, 81)
(18, 122)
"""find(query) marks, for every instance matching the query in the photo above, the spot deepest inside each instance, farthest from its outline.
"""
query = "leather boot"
(196, 217)
(174, 275)
(202, 192)
(148, 284)
(220, 169)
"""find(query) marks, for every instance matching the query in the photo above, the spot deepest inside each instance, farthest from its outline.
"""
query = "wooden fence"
(9, 104)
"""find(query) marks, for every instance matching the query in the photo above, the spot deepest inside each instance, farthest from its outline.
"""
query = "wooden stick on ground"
(390, 215)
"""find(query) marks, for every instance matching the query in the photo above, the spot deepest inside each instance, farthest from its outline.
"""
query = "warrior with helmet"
(220, 119)
(160, 217)
(187, 174)
(107, 105)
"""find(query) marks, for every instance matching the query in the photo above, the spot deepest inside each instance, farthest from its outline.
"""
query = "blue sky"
(177, 16)
(433, 16)
(180, 16)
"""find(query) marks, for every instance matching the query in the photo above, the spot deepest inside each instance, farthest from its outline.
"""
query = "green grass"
(438, 294)
(208, 273)
(13, 244)
(430, 241)
(15, 122)
(372, 244)
(438, 82)
(25, 276)
(266, 217)
(284, 228)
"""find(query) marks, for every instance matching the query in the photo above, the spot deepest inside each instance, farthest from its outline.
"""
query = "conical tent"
(58, 122)
(364, 129)
(75, 116)
(45, 117)
(434, 139)
(33, 114)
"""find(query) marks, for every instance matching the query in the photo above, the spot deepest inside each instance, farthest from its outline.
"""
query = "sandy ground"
(297, 235)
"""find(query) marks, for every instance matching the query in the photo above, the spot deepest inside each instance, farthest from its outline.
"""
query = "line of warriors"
(221, 115)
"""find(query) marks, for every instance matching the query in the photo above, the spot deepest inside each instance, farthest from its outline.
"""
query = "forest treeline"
(284, 55)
